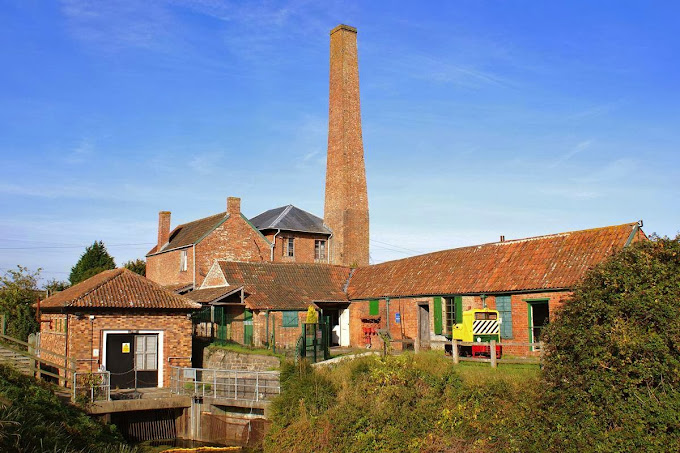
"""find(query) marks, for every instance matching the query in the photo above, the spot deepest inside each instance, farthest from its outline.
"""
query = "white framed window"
(319, 249)
(146, 352)
(183, 266)
(289, 248)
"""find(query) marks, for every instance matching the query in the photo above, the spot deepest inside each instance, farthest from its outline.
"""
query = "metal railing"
(225, 384)
(89, 387)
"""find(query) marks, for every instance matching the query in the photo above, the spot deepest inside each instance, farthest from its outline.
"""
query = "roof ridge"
(117, 272)
(281, 216)
(198, 220)
(508, 241)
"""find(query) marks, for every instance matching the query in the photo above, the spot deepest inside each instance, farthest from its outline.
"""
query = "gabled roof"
(118, 289)
(286, 286)
(208, 295)
(556, 261)
(289, 218)
(190, 233)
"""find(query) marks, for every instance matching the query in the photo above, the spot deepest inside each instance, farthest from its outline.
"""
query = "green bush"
(612, 367)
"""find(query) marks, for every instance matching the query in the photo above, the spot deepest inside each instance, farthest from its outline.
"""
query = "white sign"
(95, 352)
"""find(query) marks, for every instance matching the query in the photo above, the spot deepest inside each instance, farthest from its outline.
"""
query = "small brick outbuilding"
(121, 322)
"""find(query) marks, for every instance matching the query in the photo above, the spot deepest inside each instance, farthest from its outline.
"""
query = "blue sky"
(518, 118)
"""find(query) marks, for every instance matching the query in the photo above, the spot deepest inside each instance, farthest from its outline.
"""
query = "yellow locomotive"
(480, 325)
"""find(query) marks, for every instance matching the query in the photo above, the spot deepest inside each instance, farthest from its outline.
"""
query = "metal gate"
(314, 343)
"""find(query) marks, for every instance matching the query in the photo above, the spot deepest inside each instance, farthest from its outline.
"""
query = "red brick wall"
(408, 309)
(85, 335)
(346, 201)
(53, 331)
(234, 240)
(285, 337)
(304, 247)
(164, 268)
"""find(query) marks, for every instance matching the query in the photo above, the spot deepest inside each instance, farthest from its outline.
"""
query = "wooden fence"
(493, 359)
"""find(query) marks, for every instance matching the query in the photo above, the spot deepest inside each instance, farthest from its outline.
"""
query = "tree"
(54, 286)
(95, 260)
(612, 356)
(18, 292)
(137, 266)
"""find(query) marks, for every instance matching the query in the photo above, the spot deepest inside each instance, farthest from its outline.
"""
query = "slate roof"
(289, 218)
(191, 232)
(207, 295)
(556, 261)
(118, 289)
(286, 286)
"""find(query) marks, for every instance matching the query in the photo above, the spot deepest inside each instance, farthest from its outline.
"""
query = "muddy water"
(184, 446)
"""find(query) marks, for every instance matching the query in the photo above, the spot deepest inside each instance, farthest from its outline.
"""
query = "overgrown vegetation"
(18, 292)
(610, 381)
(236, 347)
(32, 420)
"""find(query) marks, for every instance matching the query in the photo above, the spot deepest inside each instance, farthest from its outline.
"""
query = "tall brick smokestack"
(346, 204)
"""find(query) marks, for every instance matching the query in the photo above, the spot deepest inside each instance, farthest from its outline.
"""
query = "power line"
(72, 246)
(397, 246)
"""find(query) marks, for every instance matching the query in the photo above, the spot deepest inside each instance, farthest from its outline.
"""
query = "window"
(539, 314)
(183, 261)
(319, 250)
(290, 319)
(485, 316)
(289, 247)
(454, 312)
(146, 352)
(374, 307)
(504, 308)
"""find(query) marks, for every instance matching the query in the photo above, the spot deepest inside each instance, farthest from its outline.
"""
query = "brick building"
(121, 322)
(524, 279)
(267, 302)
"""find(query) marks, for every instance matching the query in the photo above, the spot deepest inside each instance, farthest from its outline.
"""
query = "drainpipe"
(194, 265)
(274, 245)
(387, 305)
(266, 315)
(329, 248)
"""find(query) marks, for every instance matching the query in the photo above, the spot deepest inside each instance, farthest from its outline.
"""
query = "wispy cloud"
(580, 147)
(596, 110)
(81, 153)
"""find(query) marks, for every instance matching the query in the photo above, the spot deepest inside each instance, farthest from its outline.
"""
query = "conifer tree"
(95, 260)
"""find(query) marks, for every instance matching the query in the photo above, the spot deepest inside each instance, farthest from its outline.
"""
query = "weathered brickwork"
(164, 268)
(346, 202)
(408, 313)
(234, 240)
(84, 336)
(304, 244)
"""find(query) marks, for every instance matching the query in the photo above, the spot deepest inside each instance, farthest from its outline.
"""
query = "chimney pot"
(502, 238)
(233, 206)
(163, 228)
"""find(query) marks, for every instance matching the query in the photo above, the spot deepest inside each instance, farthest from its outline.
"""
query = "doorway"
(338, 319)
(133, 359)
(424, 325)
(539, 314)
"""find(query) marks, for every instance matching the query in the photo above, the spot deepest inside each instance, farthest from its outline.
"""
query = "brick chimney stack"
(233, 206)
(163, 228)
(346, 203)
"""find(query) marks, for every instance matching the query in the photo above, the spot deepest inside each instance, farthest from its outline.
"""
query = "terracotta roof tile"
(207, 295)
(286, 286)
(121, 289)
(190, 233)
(546, 262)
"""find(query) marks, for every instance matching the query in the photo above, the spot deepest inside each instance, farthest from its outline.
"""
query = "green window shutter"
(290, 319)
(458, 300)
(504, 307)
(374, 307)
(437, 315)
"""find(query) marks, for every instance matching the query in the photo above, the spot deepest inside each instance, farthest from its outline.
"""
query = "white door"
(344, 327)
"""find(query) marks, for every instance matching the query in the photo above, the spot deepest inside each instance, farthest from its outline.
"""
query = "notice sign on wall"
(397, 318)
(126, 348)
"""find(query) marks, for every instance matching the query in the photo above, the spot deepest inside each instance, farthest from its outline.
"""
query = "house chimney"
(233, 206)
(502, 238)
(163, 228)
(346, 203)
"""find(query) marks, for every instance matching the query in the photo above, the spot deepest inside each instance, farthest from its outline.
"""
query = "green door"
(248, 327)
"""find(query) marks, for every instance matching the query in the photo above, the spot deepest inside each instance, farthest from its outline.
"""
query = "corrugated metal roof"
(289, 218)
(119, 289)
(547, 262)
(286, 286)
